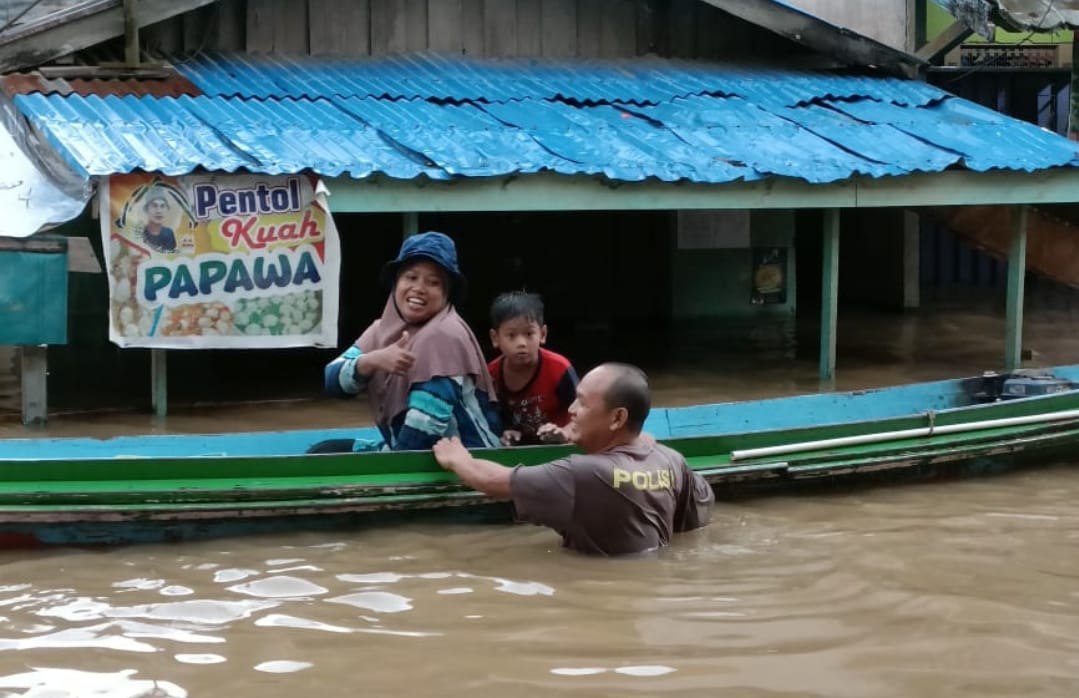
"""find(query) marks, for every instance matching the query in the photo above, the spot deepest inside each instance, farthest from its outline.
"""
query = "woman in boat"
(422, 368)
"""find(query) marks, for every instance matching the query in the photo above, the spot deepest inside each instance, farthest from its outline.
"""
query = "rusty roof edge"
(176, 84)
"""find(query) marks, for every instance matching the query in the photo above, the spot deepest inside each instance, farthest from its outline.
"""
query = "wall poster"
(220, 261)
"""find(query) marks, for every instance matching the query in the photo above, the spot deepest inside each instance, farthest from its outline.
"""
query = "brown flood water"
(962, 589)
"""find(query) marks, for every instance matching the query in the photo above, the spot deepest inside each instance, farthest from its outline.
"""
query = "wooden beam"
(132, 50)
(916, 24)
(551, 192)
(829, 297)
(67, 31)
(817, 34)
(1017, 267)
(948, 39)
(965, 188)
(33, 370)
(144, 71)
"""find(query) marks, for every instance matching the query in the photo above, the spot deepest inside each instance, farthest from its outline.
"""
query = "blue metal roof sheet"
(460, 78)
(983, 139)
(407, 117)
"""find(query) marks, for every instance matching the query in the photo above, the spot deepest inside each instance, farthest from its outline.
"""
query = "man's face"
(157, 209)
(592, 422)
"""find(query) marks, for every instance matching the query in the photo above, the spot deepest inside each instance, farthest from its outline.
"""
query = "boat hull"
(103, 526)
(742, 449)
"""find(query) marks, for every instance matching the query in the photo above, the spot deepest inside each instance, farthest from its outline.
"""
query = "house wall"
(556, 28)
(717, 283)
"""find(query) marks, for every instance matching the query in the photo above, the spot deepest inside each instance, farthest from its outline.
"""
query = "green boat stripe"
(296, 492)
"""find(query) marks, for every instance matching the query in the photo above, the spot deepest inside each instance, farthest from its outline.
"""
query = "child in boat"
(535, 386)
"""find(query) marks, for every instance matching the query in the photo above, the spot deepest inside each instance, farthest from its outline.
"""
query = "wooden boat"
(159, 488)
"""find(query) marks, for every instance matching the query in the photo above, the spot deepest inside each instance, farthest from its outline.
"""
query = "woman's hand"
(396, 359)
(552, 434)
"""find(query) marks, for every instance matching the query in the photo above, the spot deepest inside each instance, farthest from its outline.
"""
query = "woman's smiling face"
(421, 291)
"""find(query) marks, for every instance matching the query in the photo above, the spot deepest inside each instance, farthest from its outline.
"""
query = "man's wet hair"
(629, 389)
(516, 304)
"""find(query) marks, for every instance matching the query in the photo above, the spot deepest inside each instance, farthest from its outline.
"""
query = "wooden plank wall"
(555, 28)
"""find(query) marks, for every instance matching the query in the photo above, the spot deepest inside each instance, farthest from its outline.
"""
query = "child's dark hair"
(516, 304)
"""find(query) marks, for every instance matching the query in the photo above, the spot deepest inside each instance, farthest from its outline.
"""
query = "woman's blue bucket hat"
(434, 247)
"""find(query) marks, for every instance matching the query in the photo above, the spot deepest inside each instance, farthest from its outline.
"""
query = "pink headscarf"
(444, 346)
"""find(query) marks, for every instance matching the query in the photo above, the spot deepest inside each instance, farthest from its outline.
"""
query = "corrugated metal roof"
(459, 78)
(35, 82)
(628, 120)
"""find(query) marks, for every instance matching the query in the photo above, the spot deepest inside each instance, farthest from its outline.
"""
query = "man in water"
(625, 494)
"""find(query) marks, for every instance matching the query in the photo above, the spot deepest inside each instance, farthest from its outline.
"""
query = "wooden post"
(410, 224)
(829, 296)
(1017, 267)
(916, 25)
(912, 262)
(159, 382)
(131, 33)
(33, 371)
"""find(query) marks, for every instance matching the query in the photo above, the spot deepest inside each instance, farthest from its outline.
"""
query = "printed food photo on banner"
(220, 261)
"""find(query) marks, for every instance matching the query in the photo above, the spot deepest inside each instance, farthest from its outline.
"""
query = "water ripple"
(379, 601)
(67, 683)
(967, 590)
(279, 587)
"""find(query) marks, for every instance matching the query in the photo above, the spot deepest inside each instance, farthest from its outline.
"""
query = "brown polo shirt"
(629, 499)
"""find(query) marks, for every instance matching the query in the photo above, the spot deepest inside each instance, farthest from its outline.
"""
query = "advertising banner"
(219, 261)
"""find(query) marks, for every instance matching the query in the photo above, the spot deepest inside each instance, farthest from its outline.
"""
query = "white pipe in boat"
(902, 434)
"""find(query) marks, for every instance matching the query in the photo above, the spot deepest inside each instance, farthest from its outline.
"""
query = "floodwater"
(961, 589)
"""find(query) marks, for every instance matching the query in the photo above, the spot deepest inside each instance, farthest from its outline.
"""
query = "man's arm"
(493, 479)
(695, 502)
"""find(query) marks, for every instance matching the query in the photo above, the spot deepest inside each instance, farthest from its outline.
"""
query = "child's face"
(519, 340)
